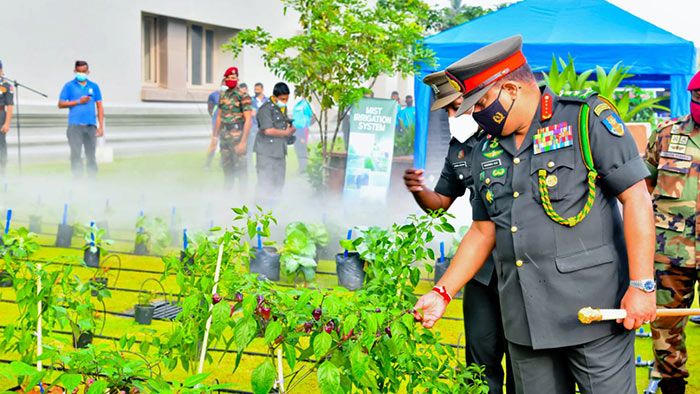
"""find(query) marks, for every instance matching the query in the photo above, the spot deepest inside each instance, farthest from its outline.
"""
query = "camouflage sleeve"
(246, 103)
(651, 155)
(614, 152)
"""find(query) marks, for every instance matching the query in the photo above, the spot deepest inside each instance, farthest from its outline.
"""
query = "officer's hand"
(240, 148)
(413, 179)
(291, 130)
(100, 132)
(433, 306)
(640, 307)
(84, 99)
(5, 128)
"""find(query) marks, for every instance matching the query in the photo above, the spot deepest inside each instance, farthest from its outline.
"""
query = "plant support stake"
(211, 306)
(38, 323)
(7, 222)
(92, 233)
(259, 240)
(349, 238)
(65, 214)
(280, 372)
(442, 252)
(184, 238)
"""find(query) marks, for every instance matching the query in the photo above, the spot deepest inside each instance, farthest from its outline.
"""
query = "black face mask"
(493, 117)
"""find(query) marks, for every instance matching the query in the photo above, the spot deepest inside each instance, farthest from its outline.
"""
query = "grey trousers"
(80, 136)
(3, 152)
(300, 147)
(603, 366)
(485, 341)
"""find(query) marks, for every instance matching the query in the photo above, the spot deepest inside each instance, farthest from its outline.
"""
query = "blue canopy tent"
(594, 32)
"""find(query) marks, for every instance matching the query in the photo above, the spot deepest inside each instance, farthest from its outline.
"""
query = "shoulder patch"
(615, 125)
(668, 123)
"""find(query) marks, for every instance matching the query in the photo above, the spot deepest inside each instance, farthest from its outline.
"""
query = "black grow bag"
(143, 314)
(64, 236)
(266, 262)
(140, 248)
(440, 268)
(5, 279)
(99, 283)
(35, 223)
(351, 270)
(187, 262)
(92, 259)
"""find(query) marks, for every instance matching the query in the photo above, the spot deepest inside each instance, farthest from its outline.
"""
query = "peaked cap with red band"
(695, 82)
(475, 74)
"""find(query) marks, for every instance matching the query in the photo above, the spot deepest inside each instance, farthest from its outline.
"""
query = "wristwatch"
(646, 285)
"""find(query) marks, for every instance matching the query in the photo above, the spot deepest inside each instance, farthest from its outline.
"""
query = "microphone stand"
(16, 114)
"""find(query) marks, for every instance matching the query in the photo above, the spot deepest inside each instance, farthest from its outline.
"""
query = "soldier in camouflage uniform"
(232, 127)
(673, 158)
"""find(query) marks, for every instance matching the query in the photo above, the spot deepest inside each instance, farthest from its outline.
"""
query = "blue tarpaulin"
(594, 32)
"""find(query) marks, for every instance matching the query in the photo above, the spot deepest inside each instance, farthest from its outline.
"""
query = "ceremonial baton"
(588, 315)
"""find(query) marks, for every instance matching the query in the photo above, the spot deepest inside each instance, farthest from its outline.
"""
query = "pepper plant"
(154, 233)
(300, 249)
(95, 238)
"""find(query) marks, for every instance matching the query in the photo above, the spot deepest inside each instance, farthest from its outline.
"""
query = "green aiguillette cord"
(592, 175)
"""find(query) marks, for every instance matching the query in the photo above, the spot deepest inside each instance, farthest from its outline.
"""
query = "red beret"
(231, 70)
(695, 82)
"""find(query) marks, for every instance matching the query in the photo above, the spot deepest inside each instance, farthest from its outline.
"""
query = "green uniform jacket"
(547, 271)
(673, 157)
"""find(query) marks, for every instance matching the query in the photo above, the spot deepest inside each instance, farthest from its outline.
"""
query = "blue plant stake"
(92, 234)
(184, 238)
(65, 213)
(345, 255)
(140, 215)
(211, 223)
(259, 240)
(442, 252)
(41, 388)
(323, 218)
(172, 217)
(7, 223)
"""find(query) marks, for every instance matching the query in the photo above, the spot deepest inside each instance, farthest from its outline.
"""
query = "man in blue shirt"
(301, 119)
(84, 99)
(407, 116)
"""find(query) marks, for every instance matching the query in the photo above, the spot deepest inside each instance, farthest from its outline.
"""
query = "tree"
(344, 46)
(456, 13)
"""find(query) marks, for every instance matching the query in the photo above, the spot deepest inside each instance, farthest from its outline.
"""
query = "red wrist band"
(443, 293)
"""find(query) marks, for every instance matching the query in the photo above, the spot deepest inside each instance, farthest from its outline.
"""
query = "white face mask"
(462, 127)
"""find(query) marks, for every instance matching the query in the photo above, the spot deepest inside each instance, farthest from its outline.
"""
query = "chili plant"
(299, 251)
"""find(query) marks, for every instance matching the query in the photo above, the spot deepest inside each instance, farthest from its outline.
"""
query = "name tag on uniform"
(553, 137)
(677, 156)
(491, 164)
(459, 164)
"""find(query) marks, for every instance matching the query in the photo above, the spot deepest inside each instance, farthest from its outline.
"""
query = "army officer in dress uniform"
(485, 342)
(548, 183)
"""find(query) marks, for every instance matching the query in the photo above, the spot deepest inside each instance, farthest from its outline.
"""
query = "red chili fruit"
(345, 338)
(388, 331)
(328, 329)
(378, 310)
(216, 298)
(233, 309)
(239, 297)
(308, 326)
(261, 299)
(265, 313)
(317, 314)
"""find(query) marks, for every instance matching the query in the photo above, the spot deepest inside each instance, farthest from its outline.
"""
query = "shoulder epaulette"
(577, 95)
(670, 122)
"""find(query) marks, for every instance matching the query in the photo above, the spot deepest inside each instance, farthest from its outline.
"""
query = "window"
(201, 53)
(150, 49)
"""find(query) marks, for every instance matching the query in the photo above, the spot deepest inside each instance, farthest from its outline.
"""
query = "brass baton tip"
(588, 315)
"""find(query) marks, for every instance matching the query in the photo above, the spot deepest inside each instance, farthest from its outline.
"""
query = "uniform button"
(516, 161)
(461, 176)
(513, 229)
(487, 181)
(516, 194)
(550, 164)
(519, 263)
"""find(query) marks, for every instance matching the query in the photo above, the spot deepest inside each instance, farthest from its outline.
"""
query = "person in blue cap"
(7, 99)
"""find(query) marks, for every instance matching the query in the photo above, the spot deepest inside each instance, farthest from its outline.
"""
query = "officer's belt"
(2, 107)
(584, 142)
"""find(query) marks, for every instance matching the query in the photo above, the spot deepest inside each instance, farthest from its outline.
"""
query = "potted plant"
(64, 236)
(153, 235)
(99, 281)
(298, 255)
(143, 311)
(35, 223)
(350, 264)
(94, 240)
